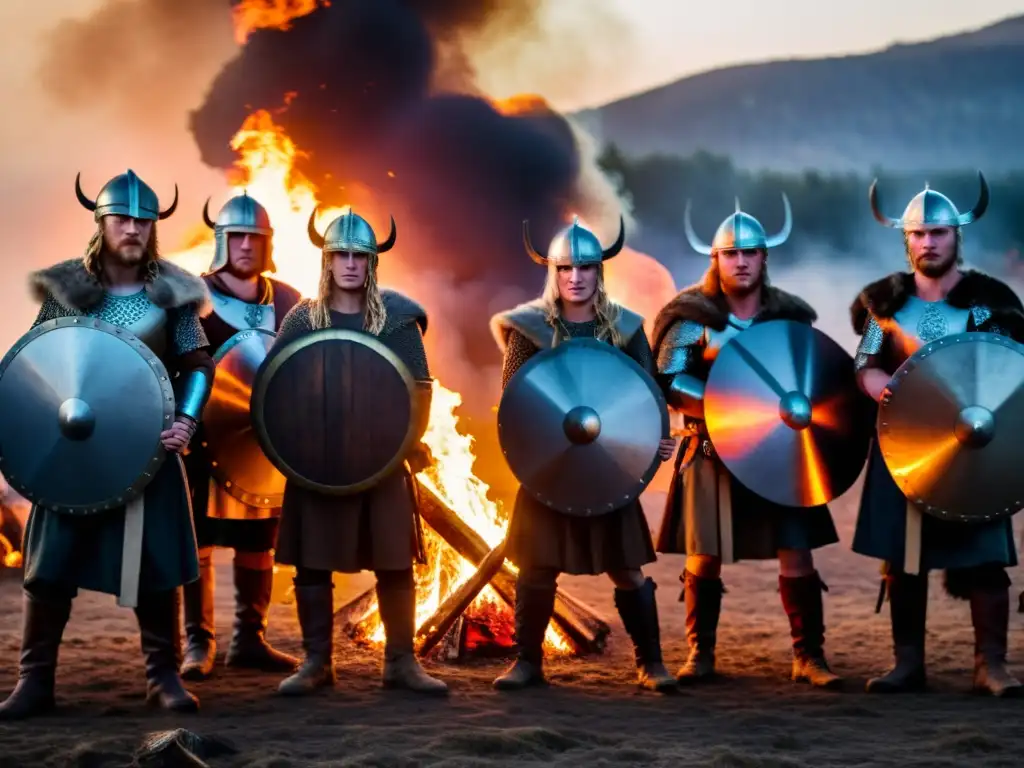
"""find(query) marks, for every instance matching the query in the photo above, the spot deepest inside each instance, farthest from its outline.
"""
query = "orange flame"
(266, 170)
(250, 15)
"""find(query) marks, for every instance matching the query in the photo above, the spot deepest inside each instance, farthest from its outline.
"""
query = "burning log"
(436, 627)
(578, 622)
(584, 629)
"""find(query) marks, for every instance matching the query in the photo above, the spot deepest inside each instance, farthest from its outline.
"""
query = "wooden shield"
(335, 411)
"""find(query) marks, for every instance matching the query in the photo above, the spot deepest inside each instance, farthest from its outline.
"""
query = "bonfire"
(461, 610)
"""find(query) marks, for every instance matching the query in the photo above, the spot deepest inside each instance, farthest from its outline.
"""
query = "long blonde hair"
(93, 262)
(606, 311)
(375, 314)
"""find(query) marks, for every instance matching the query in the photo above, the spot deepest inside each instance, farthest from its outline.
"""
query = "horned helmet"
(739, 231)
(930, 208)
(350, 232)
(240, 215)
(574, 246)
(125, 195)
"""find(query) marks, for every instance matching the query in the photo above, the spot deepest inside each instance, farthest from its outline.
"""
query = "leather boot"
(249, 647)
(201, 644)
(990, 613)
(801, 599)
(639, 612)
(43, 625)
(703, 598)
(315, 605)
(534, 606)
(397, 603)
(908, 606)
(159, 617)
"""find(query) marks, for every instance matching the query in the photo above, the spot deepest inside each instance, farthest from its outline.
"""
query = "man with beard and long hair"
(543, 542)
(121, 280)
(709, 516)
(375, 530)
(242, 298)
(894, 317)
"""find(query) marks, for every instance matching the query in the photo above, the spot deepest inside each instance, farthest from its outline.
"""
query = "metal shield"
(237, 461)
(785, 415)
(82, 406)
(950, 431)
(580, 426)
(335, 411)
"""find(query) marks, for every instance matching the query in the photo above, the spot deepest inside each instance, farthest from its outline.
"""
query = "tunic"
(540, 538)
(85, 551)
(893, 323)
(220, 519)
(378, 529)
(708, 511)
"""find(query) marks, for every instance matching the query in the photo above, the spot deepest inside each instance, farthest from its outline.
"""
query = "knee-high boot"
(396, 599)
(201, 643)
(534, 606)
(908, 606)
(315, 605)
(159, 617)
(43, 625)
(990, 613)
(249, 647)
(703, 598)
(801, 599)
(639, 612)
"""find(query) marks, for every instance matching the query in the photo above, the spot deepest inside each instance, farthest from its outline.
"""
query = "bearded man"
(242, 298)
(896, 316)
(123, 281)
(710, 517)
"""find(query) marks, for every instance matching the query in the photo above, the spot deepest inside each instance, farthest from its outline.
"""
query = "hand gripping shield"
(785, 415)
(336, 411)
(950, 427)
(82, 406)
(580, 426)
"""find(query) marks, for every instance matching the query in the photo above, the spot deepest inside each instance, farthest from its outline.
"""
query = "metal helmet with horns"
(350, 232)
(740, 231)
(125, 195)
(929, 208)
(240, 215)
(574, 246)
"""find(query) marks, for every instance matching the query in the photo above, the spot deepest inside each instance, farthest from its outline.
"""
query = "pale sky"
(667, 39)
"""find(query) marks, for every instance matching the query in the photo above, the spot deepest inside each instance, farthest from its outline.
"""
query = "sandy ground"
(592, 715)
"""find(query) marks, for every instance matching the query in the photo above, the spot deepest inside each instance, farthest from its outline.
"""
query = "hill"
(953, 102)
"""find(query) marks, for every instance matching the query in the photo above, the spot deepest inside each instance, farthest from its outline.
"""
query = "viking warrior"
(375, 530)
(543, 542)
(123, 281)
(894, 317)
(709, 516)
(242, 298)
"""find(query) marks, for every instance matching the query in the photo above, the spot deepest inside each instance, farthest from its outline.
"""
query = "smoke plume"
(384, 100)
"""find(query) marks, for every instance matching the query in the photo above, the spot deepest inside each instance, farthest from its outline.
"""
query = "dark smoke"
(459, 176)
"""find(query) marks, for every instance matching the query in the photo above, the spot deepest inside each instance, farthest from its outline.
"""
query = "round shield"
(785, 415)
(580, 426)
(237, 462)
(335, 410)
(82, 406)
(950, 431)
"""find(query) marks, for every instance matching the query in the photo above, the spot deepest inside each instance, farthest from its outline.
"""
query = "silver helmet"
(574, 246)
(240, 215)
(350, 232)
(125, 195)
(740, 231)
(929, 208)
